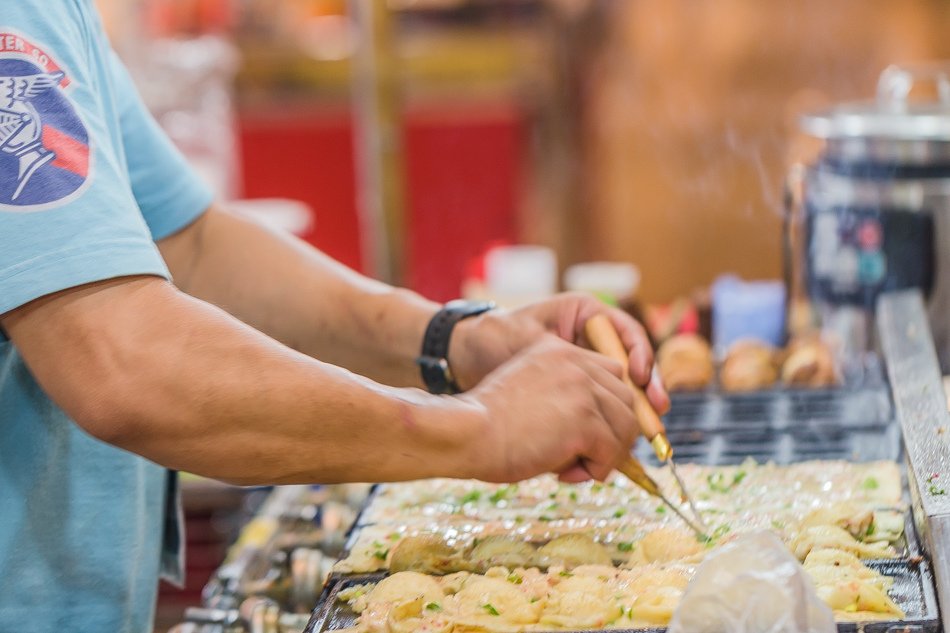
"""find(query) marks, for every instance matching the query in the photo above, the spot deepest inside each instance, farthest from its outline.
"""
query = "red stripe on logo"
(71, 155)
(13, 43)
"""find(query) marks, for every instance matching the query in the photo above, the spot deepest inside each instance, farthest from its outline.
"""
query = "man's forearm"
(301, 297)
(143, 366)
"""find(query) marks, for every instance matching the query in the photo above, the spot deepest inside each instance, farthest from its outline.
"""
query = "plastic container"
(615, 283)
(517, 275)
(747, 309)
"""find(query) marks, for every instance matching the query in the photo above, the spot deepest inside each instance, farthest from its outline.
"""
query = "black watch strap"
(433, 361)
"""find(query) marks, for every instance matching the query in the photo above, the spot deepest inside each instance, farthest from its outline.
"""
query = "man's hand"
(187, 386)
(481, 344)
(553, 408)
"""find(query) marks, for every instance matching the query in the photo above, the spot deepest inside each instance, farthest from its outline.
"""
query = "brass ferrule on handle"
(662, 447)
(603, 337)
(634, 471)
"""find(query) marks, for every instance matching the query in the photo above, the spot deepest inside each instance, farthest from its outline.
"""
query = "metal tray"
(359, 521)
(907, 546)
(782, 425)
(912, 591)
(779, 425)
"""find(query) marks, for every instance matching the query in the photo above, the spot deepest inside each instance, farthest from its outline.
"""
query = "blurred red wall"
(463, 182)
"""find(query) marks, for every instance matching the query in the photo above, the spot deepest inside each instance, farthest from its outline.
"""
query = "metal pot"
(872, 212)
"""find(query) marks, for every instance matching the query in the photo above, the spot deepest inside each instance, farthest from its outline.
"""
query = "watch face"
(464, 308)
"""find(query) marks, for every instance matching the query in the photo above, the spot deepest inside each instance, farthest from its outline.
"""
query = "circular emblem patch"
(44, 145)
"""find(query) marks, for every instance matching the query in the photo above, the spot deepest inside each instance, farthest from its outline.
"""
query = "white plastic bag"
(753, 585)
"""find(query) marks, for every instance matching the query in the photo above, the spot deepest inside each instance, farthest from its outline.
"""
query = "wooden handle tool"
(603, 337)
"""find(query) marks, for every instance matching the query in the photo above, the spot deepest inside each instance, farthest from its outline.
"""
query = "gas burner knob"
(307, 573)
(210, 620)
(261, 615)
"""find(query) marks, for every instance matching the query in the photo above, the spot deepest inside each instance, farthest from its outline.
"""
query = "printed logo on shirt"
(44, 145)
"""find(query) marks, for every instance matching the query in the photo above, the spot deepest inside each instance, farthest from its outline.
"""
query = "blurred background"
(410, 138)
(654, 133)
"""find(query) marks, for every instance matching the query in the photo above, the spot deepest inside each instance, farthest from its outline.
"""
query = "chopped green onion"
(433, 606)
(625, 546)
(870, 484)
(515, 579)
(573, 495)
(619, 513)
(717, 481)
(718, 533)
(721, 531)
(471, 497)
(661, 509)
(503, 494)
(490, 609)
(381, 554)
(566, 573)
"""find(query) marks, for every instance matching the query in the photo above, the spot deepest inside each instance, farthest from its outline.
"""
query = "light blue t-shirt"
(88, 183)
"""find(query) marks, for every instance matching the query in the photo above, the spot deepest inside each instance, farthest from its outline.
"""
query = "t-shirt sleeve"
(168, 191)
(68, 213)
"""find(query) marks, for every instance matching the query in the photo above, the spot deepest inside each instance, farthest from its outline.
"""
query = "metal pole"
(378, 146)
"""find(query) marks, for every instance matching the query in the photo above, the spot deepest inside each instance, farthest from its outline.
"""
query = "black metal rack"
(781, 425)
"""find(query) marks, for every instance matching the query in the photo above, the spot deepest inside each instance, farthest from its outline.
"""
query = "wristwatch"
(433, 361)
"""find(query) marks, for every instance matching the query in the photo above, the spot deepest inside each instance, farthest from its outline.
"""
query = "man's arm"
(143, 366)
(294, 293)
(303, 298)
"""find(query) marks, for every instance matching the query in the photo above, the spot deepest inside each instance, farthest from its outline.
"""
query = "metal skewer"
(604, 338)
(665, 454)
(634, 472)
